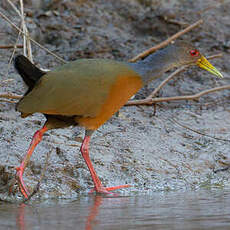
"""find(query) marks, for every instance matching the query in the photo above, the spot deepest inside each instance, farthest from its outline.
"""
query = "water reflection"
(90, 218)
(94, 209)
(179, 210)
(20, 219)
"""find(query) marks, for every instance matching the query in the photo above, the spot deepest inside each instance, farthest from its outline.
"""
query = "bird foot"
(21, 183)
(104, 190)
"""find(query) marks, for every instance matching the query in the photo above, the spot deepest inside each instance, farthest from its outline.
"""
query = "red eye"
(194, 52)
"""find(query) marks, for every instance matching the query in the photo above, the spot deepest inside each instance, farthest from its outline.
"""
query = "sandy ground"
(151, 153)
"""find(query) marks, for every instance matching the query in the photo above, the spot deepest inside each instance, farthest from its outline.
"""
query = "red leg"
(20, 170)
(97, 183)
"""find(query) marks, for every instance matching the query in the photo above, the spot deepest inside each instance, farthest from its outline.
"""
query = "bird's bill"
(205, 64)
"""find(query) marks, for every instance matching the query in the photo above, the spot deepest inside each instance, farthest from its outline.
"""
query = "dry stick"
(37, 187)
(19, 34)
(7, 81)
(23, 29)
(7, 101)
(177, 98)
(13, 6)
(198, 132)
(153, 94)
(176, 22)
(166, 42)
(150, 100)
(12, 55)
(21, 14)
(27, 44)
(39, 45)
(11, 46)
(10, 96)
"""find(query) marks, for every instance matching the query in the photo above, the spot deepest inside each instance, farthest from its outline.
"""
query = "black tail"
(28, 71)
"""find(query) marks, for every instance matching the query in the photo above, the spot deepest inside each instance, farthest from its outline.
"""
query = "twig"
(14, 7)
(12, 56)
(10, 96)
(7, 101)
(198, 132)
(153, 94)
(23, 29)
(222, 169)
(7, 81)
(10, 46)
(173, 21)
(196, 96)
(26, 40)
(38, 44)
(37, 187)
(166, 42)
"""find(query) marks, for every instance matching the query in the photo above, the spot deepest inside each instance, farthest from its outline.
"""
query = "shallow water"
(207, 209)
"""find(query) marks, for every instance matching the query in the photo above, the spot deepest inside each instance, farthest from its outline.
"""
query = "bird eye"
(194, 52)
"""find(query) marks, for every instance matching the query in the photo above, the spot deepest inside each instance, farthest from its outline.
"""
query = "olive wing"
(77, 88)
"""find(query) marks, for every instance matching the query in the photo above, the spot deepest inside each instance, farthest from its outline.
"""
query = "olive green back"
(77, 88)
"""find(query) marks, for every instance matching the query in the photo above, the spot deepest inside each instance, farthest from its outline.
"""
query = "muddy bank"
(152, 153)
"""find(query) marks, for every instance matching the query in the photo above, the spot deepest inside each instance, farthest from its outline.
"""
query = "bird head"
(186, 54)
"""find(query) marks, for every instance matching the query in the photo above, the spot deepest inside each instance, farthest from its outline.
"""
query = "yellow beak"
(205, 64)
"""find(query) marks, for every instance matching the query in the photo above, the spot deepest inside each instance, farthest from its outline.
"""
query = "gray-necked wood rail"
(87, 92)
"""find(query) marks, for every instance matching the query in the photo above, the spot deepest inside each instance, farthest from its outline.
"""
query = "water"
(197, 210)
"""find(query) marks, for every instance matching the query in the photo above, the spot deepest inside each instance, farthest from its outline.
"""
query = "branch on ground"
(166, 42)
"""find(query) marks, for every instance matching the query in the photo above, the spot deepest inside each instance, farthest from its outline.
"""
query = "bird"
(87, 92)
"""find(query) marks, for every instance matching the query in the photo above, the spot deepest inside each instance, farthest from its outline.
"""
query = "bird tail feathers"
(28, 71)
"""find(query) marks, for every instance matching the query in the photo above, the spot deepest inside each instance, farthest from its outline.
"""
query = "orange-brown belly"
(120, 92)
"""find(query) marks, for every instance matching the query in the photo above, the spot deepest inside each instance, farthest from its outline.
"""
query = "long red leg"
(20, 170)
(97, 183)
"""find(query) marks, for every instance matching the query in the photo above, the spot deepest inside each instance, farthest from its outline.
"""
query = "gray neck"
(154, 65)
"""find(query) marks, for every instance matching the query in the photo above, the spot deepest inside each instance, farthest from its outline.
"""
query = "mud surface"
(152, 153)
